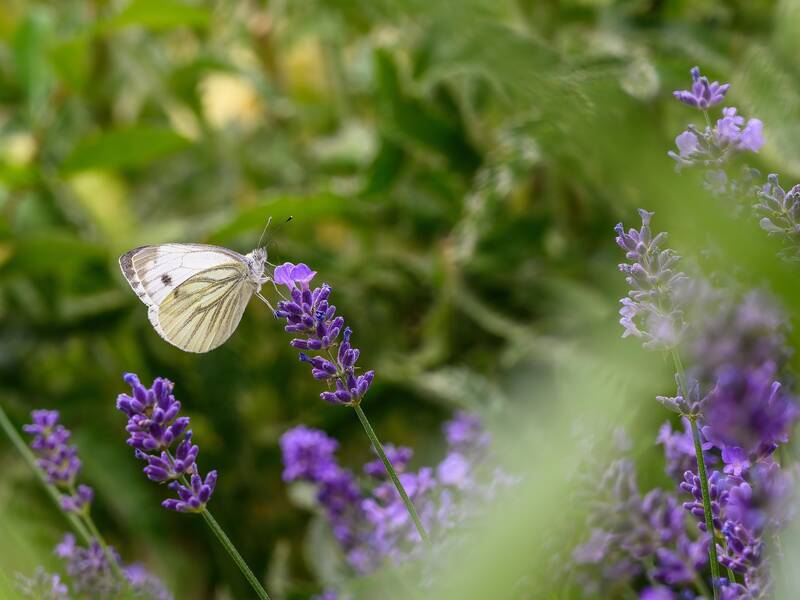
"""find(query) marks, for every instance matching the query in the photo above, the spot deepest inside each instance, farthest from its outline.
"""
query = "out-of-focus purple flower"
(154, 427)
(42, 586)
(79, 502)
(703, 94)
(744, 333)
(465, 433)
(55, 456)
(657, 593)
(308, 454)
(195, 496)
(713, 147)
(650, 311)
(58, 459)
(691, 406)
(88, 568)
(368, 518)
(399, 457)
(91, 575)
(779, 211)
(749, 409)
(736, 461)
(145, 584)
(593, 550)
(309, 314)
(679, 449)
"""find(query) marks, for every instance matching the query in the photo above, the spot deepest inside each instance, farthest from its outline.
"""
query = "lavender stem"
(228, 545)
(95, 533)
(390, 469)
(701, 469)
(22, 448)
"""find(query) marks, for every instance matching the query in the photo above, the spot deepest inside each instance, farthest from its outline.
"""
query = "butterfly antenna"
(261, 237)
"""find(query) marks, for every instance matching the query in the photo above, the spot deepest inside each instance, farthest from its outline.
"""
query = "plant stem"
(51, 489)
(390, 469)
(228, 544)
(87, 520)
(701, 470)
(234, 554)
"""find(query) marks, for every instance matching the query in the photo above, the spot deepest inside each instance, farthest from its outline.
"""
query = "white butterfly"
(195, 293)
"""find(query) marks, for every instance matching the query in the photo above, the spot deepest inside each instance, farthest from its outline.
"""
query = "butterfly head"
(256, 261)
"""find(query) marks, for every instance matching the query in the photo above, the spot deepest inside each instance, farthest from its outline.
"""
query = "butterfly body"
(195, 293)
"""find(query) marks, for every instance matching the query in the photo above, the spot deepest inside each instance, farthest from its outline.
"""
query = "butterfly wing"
(195, 293)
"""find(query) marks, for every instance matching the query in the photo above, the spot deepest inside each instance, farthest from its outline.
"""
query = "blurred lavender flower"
(42, 586)
(58, 459)
(714, 146)
(309, 314)
(154, 426)
(632, 535)
(749, 409)
(702, 95)
(679, 450)
(91, 575)
(780, 214)
(651, 310)
(369, 518)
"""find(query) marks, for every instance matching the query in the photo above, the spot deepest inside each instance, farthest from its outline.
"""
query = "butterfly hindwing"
(196, 294)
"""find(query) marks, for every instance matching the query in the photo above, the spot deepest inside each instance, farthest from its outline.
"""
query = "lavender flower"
(651, 310)
(368, 518)
(749, 409)
(58, 459)
(154, 426)
(703, 95)
(43, 586)
(713, 146)
(780, 214)
(309, 314)
(679, 449)
(91, 575)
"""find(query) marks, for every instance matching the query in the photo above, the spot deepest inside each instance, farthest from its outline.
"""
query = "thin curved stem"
(392, 473)
(702, 473)
(228, 545)
(234, 554)
(51, 489)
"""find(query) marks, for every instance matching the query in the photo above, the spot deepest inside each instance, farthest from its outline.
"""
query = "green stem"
(390, 469)
(51, 489)
(701, 469)
(234, 554)
(228, 545)
(113, 563)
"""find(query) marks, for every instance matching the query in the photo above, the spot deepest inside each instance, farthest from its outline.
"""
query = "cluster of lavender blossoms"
(367, 515)
(311, 317)
(154, 427)
(733, 389)
(89, 572)
(651, 311)
(58, 459)
(713, 146)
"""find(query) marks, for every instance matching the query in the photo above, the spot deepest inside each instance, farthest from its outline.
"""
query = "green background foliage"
(453, 170)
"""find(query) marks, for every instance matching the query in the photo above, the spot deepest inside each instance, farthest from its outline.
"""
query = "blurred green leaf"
(30, 60)
(131, 147)
(71, 60)
(159, 14)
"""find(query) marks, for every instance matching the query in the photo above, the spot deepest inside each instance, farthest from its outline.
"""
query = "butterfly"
(195, 293)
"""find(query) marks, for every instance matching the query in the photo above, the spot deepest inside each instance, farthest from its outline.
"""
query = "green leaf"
(30, 60)
(70, 59)
(44, 254)
(132, 147)
(159, 14)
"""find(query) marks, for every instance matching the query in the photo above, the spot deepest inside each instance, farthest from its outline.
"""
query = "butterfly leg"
(265, 301)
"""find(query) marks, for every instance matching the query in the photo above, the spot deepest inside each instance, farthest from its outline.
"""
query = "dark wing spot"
(166, 279)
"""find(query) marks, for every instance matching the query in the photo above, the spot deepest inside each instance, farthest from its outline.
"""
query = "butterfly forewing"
(196, 293)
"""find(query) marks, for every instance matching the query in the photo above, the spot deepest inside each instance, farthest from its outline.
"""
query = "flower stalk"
(702, 473)
(373, 438)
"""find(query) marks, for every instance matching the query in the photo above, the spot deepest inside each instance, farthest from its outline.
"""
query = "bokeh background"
(454, 171)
